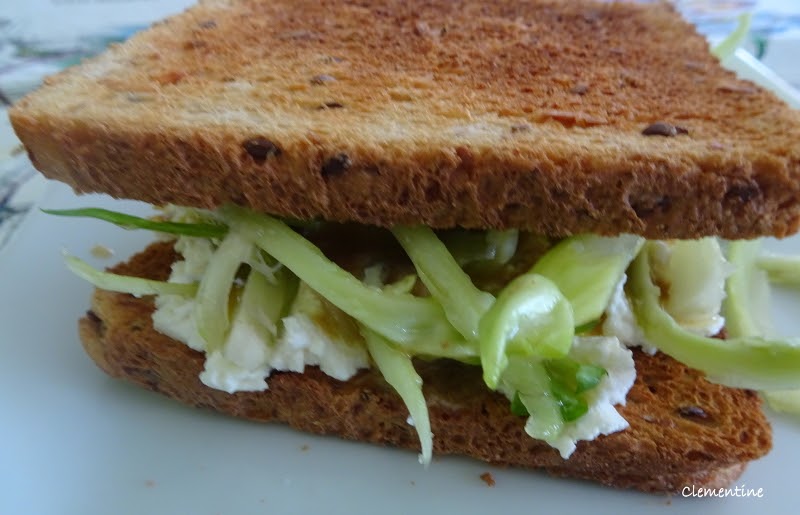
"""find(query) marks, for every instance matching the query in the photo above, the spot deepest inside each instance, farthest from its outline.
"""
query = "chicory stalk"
(490, 247)
(784, 270)
(398, 370)
(729, 45)
(243, 361)
(213, 296)
(586, 269)
(530, 318)
(745, 362)
(403, 285)
(127, 284)
(503, 244)
(457, 349)
(746, 304)
(786, 401)
(265, 300)
(463, 303)
(401, 318)
(203, 230)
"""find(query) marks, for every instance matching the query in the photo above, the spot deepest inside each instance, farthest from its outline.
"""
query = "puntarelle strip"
(133, 285)
(203, 230)
(743, 362)
(521, 338)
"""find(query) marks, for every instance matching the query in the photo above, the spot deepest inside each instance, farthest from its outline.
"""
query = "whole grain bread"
(683, 430)
(555, 116)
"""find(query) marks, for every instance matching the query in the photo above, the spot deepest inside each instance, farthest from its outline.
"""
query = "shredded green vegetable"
(213, 297)
(785, 401)
(586, 269)
(531, 318)
(729, 45)
(745, 362)
(134, 222)
(401, 318)
(747, 304)
(264, 302)
(463, 303)
(744, 307)
(784, 270)
(522, 338)
(404, 285)
(486, 247)
(127, 284)
(529, 381)
(398, 370)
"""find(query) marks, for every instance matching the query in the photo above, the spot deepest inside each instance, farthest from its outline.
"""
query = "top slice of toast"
(559, 117)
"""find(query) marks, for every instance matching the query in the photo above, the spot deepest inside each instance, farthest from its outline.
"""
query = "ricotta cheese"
(694, 273)
(602, 417)
(250, 352)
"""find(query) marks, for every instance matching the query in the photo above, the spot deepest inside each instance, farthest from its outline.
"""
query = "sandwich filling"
(548, 321)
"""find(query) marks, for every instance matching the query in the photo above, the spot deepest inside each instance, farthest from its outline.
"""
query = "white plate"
(75, 441)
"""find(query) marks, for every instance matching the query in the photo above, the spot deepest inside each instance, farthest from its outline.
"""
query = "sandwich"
(517, 231)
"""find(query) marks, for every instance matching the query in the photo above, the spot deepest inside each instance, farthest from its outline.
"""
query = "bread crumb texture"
(558, 117)
(683, 429)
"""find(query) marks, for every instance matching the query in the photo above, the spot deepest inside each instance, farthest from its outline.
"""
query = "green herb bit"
(568, 381)
(571, 405)
(531, 384)
(517, 407)
(578, 377)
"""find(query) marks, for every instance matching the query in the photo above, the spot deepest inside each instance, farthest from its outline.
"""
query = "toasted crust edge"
(557, 194)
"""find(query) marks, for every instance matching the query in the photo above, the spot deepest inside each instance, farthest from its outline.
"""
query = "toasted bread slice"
(683, 430)
(536, 115)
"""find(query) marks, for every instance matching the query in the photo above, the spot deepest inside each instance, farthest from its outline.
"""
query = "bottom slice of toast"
(683, 430)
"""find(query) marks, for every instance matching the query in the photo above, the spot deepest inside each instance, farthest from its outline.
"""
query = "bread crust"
(683, 430)
(503, 114)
